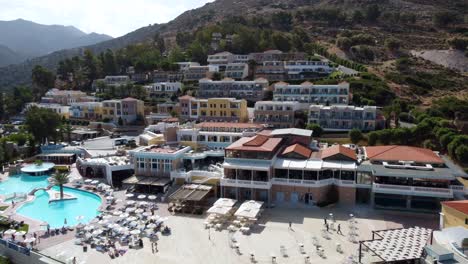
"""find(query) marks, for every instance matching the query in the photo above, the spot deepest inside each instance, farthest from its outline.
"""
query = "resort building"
(162, 89)
(65, 97)
(301, 70)
(116, 80)
(184, 65)
(343, 117)
(128, 109)
(277, 114)
(237, 71)
(311, 93)
(195, 73)
(271, 70)
(276, 55)
(214, 135)
(213, 109)
(86, 111)
(165, 76)
(454, 213)
(410, 177)
(112, 168)
(62, 110)
(248, 90)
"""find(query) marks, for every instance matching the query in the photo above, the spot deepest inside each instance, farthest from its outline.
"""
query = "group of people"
(338, 229)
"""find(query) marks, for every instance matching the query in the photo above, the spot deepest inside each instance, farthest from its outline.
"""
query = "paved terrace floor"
(190, 242)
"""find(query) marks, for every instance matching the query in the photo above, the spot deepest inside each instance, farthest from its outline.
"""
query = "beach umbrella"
(29, 240)
(117, 212)
(143, 203)
(129, 195)
(118, 200)
(123, 230)
(95, 182)
(132, 218)
(107, 216)
(151, 226)
(97, 232)
(10, 232)
(133, 223)
(103, 222)
(109, 198)
(135, 232)
(124, 215)
(152, 197)
(88, 228)
(155, 217)
(139, 211)
(130, 202)
(147, 214)
(130, 209)
(141, 196)
(20, 233)
(94, 220)
(88, 235)
(88, 181)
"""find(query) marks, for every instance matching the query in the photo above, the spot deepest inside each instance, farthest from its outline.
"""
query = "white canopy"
(249, 209)
(220, 210)
(225, 202)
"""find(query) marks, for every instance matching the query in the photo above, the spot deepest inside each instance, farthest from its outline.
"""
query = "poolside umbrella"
(154, 217)
(139, 211)
(130, 202)
(123, 230)
(143, 203)
(117, 213)
(135, 232)
(88, 181)
(152, 197)
(88, 235)
(118, 200)
(97, 232)
(89, 228)
(132, 218)
(107, 216)
(20, 233)
(103, 222)
(130, 209)
(29, 240)
(129, 195)
(124, 215)
(10, 232)
(141, 196)
(151, 226)
(94, 220)
(110, 198)
(147, 214)
(133, 223)
(95, 182)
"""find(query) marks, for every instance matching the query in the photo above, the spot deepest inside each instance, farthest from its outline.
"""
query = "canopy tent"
(249, 209)
(191, 192)
(225, 202)
(219, 210)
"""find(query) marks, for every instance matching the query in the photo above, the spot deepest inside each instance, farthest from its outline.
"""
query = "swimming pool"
(22, 184)
(55, 213)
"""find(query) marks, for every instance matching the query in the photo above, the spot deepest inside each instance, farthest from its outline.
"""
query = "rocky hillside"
(323, 19)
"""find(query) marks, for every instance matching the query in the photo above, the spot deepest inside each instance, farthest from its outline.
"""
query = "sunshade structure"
(249, 209)
(223, 206)
(397, 245)
(148, 184)
(191, 192)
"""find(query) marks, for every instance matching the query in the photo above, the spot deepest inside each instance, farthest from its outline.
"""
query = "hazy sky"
(112, 17)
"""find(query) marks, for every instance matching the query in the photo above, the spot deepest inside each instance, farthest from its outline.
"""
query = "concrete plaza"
(190, 242)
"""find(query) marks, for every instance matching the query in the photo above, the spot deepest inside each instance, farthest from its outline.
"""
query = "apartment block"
(86, 111)
(237, 71)
(65, 97)
(249, 90)
(276, 55)
(195, 73)
(128, 109)
(276, 114)
(300, 70)
(213, 109)
(62, 110)
(343, 117)
(166, 76)
(311, 93)
(162, 89)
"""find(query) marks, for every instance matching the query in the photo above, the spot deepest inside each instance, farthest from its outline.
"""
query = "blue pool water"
(22, 183)
(55, 213)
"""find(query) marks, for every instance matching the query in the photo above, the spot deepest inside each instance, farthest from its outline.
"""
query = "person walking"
(156, 246)
(325, 220)
(339, 230)
(290, 225)
(328, 228)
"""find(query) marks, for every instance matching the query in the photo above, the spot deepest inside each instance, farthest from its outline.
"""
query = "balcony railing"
(246, 183)
(413, 190)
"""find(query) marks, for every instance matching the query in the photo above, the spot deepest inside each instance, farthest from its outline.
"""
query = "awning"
(247, 165)
(147, 180)
(191, 192)
(249, 209)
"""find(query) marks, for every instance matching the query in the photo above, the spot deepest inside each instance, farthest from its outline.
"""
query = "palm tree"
(60, 179)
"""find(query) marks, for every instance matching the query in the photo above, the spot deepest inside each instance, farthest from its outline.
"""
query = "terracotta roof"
(129, 99)
(306, 83)
(406, 153)
(299, 149)
(229, 125)
(338, 149)
(281, 83)
(461, 206)
(186, 97)
(256, 143)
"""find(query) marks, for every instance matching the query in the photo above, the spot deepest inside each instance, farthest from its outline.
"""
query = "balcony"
(194, 173)
(245, 184)
(413, 190)
(303, 183)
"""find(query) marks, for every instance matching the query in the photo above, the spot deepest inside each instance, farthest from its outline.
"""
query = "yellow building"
(213, 109)
(86, 110)
(128, 109)
(455, 213)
